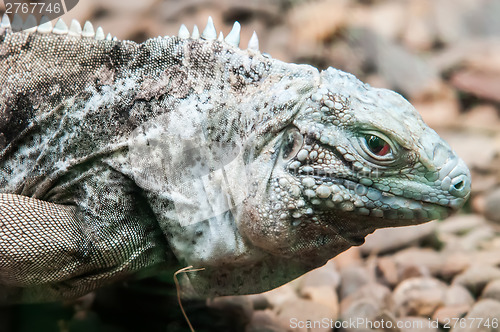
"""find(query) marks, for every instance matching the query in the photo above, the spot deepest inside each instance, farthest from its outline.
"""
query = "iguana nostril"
(460, 186)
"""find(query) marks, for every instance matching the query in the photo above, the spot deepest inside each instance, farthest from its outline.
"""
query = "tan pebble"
(458, 295)
(476, 277)
(486, 309)
(389, 271)
(446, 314)
(419, 296)
(455, 264)
(326, 275)
(281, 294)
(492, 290)
(429, 260)
(352, 278)
(461, 224)
(322, 294)
(372, 292)
(416, 324)
(265, 320)
(301, 310)
(492, 206)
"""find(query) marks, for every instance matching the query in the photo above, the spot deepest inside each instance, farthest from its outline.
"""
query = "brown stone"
(326, 275)
(455, 264)
(448, 20)
(415, 324)
(325, 295)
(412, 271)
(492, 206)
(484, 182)
(475, 148)
(352, 279)
(458, 295)
(488, 256)
(386, 18)
(297, 314)
(478, 83)
(489, 311)
(427, 259)
(439, 107)
(315, 22)
(418, 296)
(372, 293)
(419, 34)
(478, 202)
(492, 290)
(446, 314)
(388, 270)
(265, 320)
(461, 224)
(475, 239)
(482, 116)
(476, 277)
(278, 296)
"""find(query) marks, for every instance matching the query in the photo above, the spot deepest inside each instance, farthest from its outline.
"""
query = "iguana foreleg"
(45, 248)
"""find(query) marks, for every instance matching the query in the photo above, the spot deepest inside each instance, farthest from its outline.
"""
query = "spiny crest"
(60, 28)
(210, 33)
(75, 29)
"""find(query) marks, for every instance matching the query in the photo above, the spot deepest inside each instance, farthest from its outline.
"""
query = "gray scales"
(119, 159)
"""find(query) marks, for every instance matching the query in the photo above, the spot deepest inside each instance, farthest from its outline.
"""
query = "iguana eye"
(292, 143)
(377, 148)
(377, 145)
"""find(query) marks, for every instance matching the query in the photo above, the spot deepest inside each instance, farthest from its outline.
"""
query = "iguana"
(118, 158)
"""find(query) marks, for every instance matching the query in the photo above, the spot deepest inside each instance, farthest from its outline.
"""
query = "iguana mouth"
(387, 205)
(326, 190)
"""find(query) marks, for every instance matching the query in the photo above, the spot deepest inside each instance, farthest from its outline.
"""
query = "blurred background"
(442, 55)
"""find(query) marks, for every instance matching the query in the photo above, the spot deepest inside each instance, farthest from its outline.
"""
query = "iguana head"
(353, 159)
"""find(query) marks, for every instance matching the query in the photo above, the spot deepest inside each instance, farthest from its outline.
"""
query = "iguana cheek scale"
(119, 158)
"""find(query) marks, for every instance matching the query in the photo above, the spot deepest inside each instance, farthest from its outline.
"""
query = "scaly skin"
(118, 158)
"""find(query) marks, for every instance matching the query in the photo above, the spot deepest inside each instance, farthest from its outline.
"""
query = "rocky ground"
(425, 277)
(444, 56)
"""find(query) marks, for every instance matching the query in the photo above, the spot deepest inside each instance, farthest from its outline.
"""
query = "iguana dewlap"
(118, 158)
